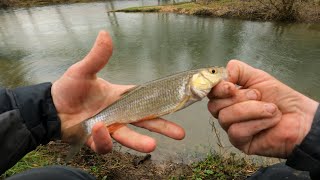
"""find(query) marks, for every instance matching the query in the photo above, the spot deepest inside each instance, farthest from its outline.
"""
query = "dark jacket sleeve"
(306, 156)
(27, 118)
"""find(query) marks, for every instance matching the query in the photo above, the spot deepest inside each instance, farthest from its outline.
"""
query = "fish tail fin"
(75, 148)
(76, 136)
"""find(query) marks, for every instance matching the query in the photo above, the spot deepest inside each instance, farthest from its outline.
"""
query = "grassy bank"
(243, 9)
(124, 166)
(278, 10)
(32, 3)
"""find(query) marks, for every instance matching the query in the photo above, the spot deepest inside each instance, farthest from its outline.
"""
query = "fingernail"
(252, 95)
(270, 108)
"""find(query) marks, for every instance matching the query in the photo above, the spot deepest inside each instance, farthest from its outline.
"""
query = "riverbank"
(32, 3)
(124, 166)
(241, 9)
(272, 10)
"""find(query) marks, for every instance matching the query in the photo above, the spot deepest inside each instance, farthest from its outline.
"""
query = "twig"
(275, 6)
(215, 130)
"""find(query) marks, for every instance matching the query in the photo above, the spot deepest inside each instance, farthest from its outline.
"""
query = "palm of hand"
(83, 97)
(291, 118)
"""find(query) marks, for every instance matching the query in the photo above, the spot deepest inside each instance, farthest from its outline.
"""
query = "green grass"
(187, 8)
(158, 8)
(141, 9)
(34, 159)
(31, 3)
(215, 166)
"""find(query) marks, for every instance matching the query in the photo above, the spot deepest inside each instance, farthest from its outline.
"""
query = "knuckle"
(221, 117)
(248, 94)
(233, 132)
(211, 106)
(236, 111)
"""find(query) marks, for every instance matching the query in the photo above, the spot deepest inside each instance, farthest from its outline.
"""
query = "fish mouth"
(224, 73)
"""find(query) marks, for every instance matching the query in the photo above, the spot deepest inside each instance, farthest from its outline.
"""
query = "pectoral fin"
(181, 104)
(113, 127)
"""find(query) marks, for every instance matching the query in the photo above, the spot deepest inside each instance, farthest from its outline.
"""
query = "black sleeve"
(306, 156)
(27, 118)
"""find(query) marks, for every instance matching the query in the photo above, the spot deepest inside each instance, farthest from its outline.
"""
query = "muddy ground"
(118, 165)
(122, 166)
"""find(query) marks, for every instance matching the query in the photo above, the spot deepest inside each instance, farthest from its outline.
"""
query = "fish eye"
(213, 71)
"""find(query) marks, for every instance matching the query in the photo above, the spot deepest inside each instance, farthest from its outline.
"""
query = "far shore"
(239, 9)
(263, 10)
(34, 3)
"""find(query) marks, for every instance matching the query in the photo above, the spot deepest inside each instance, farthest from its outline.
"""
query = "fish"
(154, 99)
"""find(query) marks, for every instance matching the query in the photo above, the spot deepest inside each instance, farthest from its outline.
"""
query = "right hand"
(263, 117)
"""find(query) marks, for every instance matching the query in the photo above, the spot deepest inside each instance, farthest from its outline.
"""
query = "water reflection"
(39, 44)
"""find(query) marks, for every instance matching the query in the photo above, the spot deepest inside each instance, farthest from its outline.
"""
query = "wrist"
(301, 114)
(306, 155)
(308, 108)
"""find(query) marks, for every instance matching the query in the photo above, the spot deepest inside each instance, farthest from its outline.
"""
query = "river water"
(39, 44)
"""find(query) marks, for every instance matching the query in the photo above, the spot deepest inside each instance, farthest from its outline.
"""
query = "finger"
(164, 127)
(241, 134)
(244, 75)
(100, 141)
(215, 105)
(134, 140)
(278, 141)
(245, 111)
(222, 90)
(98, 56)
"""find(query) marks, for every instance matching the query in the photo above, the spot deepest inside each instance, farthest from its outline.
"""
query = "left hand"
(80, 94)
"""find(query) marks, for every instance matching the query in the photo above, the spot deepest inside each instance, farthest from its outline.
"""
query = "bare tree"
(4, 3)
(281, 9)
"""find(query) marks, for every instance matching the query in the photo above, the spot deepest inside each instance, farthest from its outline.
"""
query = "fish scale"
(153, 99)
(157, 97)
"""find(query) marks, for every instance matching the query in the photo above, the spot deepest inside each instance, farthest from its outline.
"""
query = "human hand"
(80, 94)
(263, 117)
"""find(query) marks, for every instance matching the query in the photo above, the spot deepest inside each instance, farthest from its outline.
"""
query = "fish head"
(203, 81)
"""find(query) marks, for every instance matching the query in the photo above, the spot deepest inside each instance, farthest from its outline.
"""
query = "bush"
(4, 3)
(284, 10)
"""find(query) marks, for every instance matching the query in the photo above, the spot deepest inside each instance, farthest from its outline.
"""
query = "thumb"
(244, 75)
(99, 55)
